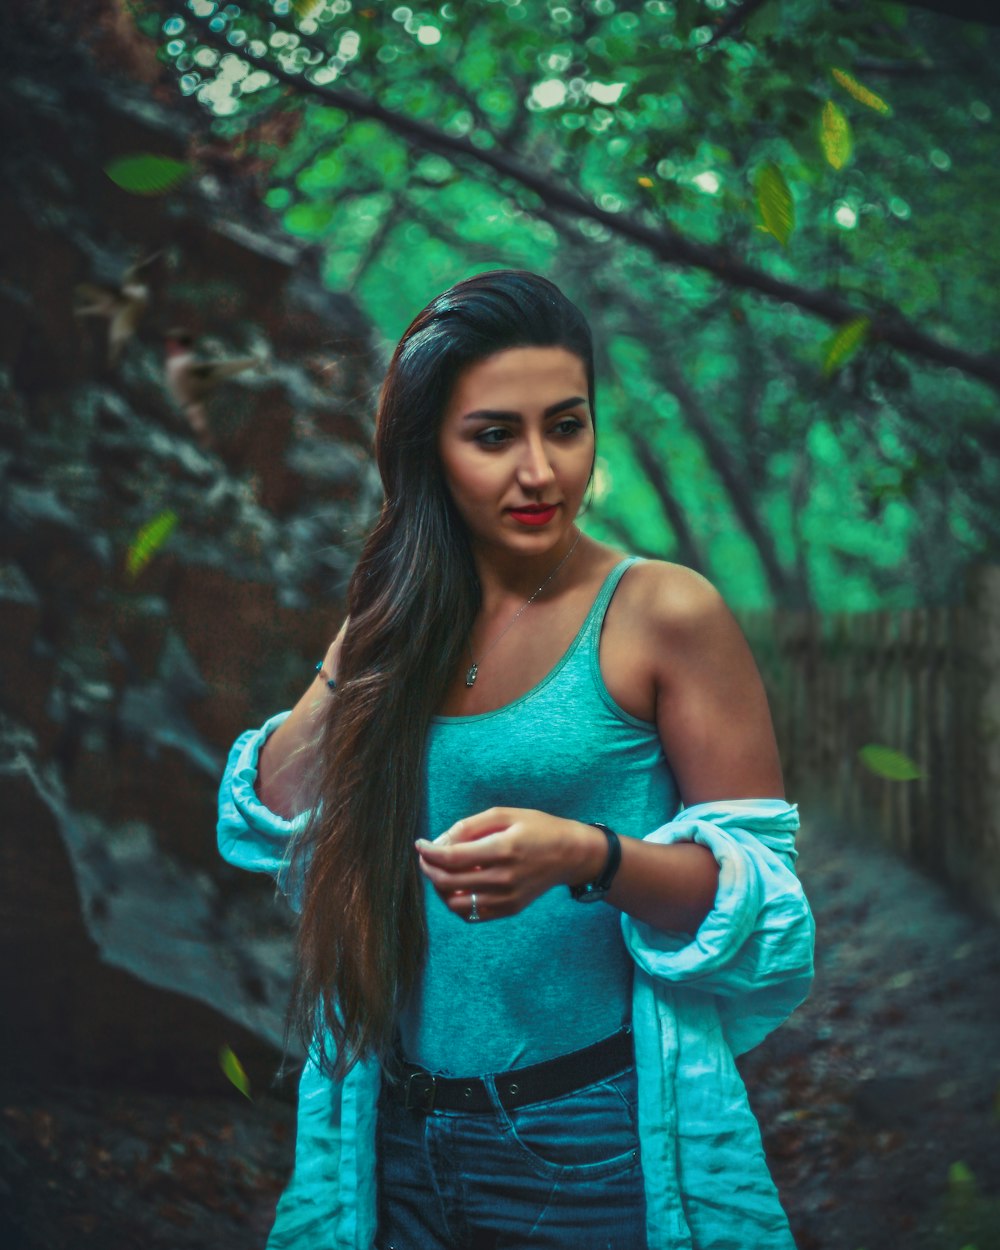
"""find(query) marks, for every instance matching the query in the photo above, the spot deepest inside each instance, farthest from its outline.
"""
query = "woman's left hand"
(508, 856)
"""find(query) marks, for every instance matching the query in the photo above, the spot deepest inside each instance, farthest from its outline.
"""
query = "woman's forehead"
(520, 374)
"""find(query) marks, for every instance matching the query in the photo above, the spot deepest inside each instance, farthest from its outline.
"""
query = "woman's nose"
(535, 469)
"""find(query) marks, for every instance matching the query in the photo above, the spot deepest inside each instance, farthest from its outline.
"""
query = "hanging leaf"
(149, 540)
(234, 1071)
(843, 343)
(304, 9)
(885, 762)
(835, 135)
(146, 173)
(961, 1179)
(860, 93)
(644, 181)
(775, 203)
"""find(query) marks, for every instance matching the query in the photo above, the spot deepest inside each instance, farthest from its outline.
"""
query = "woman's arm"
(715, 726)
(284, 757)
(257, 815)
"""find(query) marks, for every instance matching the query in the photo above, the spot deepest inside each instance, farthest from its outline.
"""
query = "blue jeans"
(557, 1175)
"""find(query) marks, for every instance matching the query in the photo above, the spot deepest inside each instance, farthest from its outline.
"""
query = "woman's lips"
(534, 516)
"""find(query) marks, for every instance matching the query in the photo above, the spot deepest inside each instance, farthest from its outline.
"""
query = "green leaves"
(844, 342)
(774, 203)
(234, 1071)
(960, 1178)
(860, 93)
(149, 540)
(835, 135)
(304, 9)
(146, 173)
(885, 762)
(749, 110)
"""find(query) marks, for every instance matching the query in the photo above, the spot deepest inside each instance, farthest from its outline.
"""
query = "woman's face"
(517, 447)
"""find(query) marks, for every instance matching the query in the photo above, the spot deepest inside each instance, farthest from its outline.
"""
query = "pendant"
(470, 676)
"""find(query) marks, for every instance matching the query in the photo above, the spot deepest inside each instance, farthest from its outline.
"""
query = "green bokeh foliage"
(869, 482)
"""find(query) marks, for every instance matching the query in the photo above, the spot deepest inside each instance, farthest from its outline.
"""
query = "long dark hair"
(411, 601)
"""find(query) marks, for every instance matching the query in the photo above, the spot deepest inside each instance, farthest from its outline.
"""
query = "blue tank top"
(556, 976)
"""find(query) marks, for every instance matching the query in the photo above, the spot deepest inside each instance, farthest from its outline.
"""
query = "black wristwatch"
(593, 891)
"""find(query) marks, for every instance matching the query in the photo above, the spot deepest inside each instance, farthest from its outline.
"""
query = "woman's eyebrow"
(499, 414)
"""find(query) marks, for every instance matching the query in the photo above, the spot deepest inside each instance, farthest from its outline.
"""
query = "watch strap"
(596, 889)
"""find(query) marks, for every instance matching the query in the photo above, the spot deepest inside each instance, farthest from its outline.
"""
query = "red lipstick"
(534, 514)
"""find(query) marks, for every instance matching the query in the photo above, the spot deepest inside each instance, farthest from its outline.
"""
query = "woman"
(525, 972)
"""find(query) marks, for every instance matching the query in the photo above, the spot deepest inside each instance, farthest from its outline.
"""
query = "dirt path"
(120, 1171)
(878, 1101)
(880, 1098)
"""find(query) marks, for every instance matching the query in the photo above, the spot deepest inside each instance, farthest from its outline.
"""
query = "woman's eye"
(570, 425)
(493, 437)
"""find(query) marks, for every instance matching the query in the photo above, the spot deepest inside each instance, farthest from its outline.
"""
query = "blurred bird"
(190, 380)
(123, 306)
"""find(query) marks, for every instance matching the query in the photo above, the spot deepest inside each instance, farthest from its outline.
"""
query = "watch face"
(588, 893)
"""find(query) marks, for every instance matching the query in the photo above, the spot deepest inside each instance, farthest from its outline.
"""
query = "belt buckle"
(420, 1098)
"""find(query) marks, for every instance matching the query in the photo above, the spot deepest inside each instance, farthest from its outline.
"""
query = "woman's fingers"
(481, 825)
(507, 856)
(463, 856)
(487, 906)
(493, 894)
(471, 905)
(449, 882)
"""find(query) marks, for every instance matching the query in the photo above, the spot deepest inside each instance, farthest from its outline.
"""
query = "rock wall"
(123, 680)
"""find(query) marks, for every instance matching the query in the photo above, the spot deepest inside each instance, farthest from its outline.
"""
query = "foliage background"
(664, 162)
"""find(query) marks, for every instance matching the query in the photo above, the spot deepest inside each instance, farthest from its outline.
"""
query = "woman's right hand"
(509, 856)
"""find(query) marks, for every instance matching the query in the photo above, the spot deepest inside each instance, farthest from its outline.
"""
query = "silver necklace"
(470, 676)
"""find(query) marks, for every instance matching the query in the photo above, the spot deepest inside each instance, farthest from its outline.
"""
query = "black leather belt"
(420, 1090)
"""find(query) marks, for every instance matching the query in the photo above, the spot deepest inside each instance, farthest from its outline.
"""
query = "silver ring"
(474, 913)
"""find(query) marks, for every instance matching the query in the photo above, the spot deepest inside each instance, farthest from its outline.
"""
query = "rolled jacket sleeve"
(754, 949)
(250, 835)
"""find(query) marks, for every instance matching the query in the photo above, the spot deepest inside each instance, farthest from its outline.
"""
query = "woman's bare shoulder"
(711, 706)
(672, 598)
(662, 624)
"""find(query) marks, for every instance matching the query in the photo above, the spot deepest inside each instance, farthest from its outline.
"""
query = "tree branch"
(742, 13)
(665, 244)
(390, 220)
(724, 464)
(965, 10)
(688, 551)
(799, 486)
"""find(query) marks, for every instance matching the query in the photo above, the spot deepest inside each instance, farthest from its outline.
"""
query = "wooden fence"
(925, 682)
